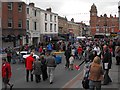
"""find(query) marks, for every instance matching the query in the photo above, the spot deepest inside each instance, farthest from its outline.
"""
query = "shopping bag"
(106, 65)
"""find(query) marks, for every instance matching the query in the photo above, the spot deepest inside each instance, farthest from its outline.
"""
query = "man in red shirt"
(29, 66)
(6, 73)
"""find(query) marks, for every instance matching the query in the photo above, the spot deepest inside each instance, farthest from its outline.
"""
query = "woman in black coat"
(44, 68)
(107, 62)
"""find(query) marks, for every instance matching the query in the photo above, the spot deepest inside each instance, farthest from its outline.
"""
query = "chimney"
(49, 9)
(100, 15)
(72, 20)
(31, 4)
(110, 15)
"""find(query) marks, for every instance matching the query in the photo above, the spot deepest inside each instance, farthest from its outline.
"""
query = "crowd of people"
(96, 53)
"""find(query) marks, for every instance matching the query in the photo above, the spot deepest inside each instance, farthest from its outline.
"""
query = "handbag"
(85, 83)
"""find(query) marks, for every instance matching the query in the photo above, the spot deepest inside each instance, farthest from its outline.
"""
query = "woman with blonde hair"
(95, 74)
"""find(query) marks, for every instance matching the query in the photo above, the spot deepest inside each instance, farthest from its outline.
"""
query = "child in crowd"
(71, 62)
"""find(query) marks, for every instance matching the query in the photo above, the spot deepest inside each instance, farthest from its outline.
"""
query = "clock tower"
(93, 19)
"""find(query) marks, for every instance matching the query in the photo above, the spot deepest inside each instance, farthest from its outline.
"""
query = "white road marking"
(72, 79)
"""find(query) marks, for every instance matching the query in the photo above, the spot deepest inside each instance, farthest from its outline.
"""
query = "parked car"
(21, 54)
(34, 55)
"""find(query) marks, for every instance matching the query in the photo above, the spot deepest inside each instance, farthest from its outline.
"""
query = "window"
(35, 25)
(50, 27)
(55, 18)
(45, 16)
(9, 23)
(45, 27)
(20, 7)
(97, 29)
(113, 27)
(35, 12)
(9, 5)
(20, 24)
(55, 27)
(27, 10)
(112, 30)
(50, 18)
(27, 24)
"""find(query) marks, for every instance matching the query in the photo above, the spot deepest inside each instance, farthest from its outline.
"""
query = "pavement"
(64, 79)
(62, 76)
(114, 73)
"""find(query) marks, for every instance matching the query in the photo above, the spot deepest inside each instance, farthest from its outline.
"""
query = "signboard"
(113, 34)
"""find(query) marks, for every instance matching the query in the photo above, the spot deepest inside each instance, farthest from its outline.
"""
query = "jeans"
(107, 78)
(94, 84)
(50, 72)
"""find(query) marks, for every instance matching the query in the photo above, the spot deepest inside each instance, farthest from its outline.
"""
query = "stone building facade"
(62, 25)
(73, 28)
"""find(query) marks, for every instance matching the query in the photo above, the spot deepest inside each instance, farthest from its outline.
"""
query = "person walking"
(71, 60)
(117, 55)
(97, 49)
(79, 51)
(67, 56)
(49, 47)
(95, 74)
(37, 70)
(107, 62)
(6, 74)
(41, 50)
(14, 56)
(44, 68)
(9, 54)
(51, 64)
(29, 66)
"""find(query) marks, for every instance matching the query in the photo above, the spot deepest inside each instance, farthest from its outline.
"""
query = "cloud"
(78, 9)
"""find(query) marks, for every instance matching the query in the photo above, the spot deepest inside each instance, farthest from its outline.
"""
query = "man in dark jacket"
(51, 64)
(67, 56)
(44, 68)
(107, 62)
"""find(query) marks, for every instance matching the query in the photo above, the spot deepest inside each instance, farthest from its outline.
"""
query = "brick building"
(13, 23)
(102, 24)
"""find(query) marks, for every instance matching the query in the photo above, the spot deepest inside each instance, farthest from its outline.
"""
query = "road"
(62, 76)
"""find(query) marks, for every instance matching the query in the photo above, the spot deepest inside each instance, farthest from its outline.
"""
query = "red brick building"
(13, 23)
(103, 24)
